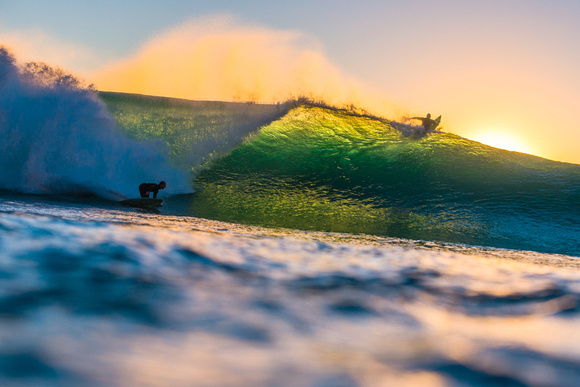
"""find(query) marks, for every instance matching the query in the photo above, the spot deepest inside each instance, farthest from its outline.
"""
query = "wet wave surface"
(330, 170)
(151, 299)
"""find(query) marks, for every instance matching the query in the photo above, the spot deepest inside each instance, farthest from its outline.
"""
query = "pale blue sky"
(510, 64)
(353, 34)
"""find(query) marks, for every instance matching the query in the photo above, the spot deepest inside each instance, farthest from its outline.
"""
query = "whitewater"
(297, 244)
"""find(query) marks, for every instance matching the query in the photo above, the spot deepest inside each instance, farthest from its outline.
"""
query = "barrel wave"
(311, 167)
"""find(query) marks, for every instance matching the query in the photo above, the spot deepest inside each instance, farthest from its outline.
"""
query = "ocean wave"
(330, 170)
(314, 167)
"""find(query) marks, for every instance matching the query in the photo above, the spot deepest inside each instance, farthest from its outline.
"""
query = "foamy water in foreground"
(97, 295)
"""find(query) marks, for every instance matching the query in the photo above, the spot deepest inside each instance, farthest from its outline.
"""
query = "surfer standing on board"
(427, 122)
(146, 188)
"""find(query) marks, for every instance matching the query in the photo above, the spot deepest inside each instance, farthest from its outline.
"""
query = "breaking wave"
(58, 138)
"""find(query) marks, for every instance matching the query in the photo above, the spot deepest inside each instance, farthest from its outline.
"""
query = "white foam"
(58, 138)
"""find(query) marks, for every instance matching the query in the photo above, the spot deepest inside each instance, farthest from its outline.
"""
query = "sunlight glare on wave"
(502, 140)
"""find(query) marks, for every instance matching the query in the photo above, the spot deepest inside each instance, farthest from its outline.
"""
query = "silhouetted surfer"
(428, 123)
(146, 188)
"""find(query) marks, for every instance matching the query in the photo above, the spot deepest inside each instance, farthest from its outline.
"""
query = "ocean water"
(95, 294)
(323, 169)
(297, 245)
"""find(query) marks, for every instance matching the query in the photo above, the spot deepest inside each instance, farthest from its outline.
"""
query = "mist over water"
(218, 58)
(58, 138)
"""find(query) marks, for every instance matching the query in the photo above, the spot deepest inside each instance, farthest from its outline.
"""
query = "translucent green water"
(196, 131)
(326, 169)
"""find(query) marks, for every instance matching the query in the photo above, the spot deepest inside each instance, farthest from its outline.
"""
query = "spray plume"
(219, 59)
(57, 138)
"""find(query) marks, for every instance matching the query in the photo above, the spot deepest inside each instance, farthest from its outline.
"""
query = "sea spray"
(219, 58)
(58, 138)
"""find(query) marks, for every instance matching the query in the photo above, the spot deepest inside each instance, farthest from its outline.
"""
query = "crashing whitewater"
(57, 138)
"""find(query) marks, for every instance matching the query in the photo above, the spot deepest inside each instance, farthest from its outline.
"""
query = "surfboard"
(142, 202)
(435, 123)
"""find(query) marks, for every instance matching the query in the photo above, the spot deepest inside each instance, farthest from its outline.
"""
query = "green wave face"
(196, 132)
(315, 168)
(329, 170)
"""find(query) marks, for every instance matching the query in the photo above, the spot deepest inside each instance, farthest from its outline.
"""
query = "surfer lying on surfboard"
(428, 123)
(146, 188)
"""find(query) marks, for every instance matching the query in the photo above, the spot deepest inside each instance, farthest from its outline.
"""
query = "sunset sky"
(496, 70)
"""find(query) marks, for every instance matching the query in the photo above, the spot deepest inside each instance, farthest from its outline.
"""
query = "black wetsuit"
(427, 123)
(145, 188)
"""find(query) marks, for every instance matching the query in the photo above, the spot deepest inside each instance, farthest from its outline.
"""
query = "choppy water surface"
(98, 295)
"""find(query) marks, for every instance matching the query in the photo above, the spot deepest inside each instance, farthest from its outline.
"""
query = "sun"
(502, 140)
